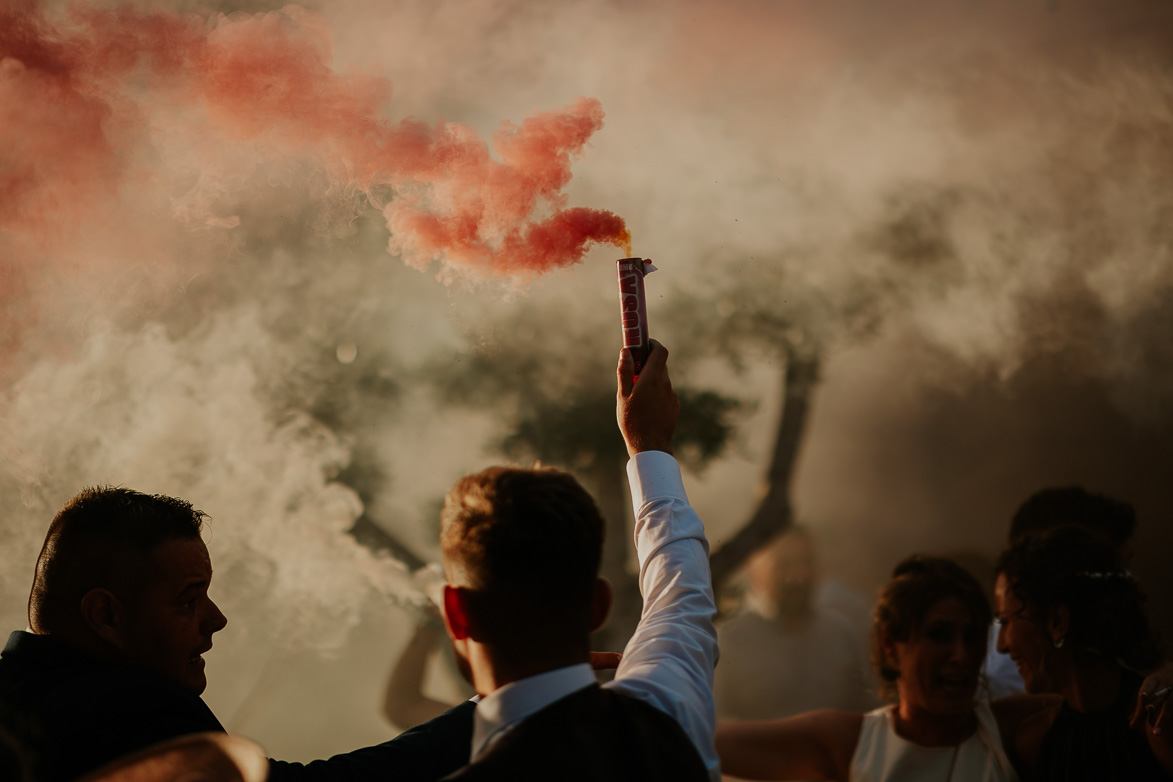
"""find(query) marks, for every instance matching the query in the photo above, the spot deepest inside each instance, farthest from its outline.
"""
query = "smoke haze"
(197, 298)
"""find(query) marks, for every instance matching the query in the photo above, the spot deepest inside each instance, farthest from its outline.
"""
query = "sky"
(233, 235)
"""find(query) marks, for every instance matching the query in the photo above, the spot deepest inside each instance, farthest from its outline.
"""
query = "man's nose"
(216, 619)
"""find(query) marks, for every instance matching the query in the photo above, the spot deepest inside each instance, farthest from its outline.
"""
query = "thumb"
(625, 372)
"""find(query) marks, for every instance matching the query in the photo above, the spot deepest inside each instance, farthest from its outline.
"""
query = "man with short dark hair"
(119, 618)
(521, 551)
(123, 577)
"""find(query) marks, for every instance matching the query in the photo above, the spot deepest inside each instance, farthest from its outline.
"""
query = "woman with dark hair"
(928, 645)
(1073, 621)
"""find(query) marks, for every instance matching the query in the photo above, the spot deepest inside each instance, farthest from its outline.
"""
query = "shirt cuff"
(654, 475)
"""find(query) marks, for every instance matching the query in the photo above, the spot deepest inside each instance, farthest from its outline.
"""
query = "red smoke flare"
(72, 114)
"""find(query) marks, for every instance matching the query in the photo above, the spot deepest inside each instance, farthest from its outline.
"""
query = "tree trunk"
(367, 532)
(774, 512)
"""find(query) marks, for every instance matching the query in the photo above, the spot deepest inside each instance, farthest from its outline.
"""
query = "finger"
(1159, 724)
(657, 361)
(1135, 719)
(1144, 709)
(602, 661)
(625, 372)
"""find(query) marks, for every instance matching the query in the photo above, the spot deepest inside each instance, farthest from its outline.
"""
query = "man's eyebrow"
(193, 585)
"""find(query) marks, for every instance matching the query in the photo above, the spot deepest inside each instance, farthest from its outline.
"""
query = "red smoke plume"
(73, 117)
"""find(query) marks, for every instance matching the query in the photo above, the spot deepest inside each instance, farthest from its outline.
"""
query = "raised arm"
(814, 745)
(404, 702)
(669, 660)
(423, 754)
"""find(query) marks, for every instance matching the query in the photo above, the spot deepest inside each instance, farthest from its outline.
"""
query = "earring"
(1059, 643)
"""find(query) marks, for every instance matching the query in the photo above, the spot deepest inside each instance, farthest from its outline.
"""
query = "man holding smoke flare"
(521, 551)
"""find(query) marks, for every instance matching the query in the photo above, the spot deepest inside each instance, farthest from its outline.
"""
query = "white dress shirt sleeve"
(669, 660)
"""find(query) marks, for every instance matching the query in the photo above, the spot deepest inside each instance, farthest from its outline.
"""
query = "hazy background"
(219, 318)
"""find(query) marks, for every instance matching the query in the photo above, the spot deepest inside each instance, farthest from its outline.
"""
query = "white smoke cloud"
(187, 418)
(996, 174)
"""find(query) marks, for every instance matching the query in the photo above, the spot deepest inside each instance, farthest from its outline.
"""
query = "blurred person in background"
(788, 651)
(404, 700)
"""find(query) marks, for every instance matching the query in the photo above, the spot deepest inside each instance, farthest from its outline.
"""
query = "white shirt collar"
(507, 706)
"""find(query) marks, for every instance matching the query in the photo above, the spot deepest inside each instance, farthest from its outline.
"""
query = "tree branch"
(774, 512)
(378, 539)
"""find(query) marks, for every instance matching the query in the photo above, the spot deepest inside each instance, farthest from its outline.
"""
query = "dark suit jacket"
(594, 734)
(77, 714)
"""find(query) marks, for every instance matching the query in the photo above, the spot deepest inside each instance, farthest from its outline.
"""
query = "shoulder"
(838, 730)
(1015, 711)
(106, 713)
(1023, 721)
(606, 710)
(835, 732)
(452, 728)
(871, 724)
(101, 693)
(834, 724)
(589, 735)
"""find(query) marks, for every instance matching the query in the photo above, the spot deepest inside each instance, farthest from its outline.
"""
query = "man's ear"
(601, 603)
(1059, 624)
(104, 615)
(456, 614)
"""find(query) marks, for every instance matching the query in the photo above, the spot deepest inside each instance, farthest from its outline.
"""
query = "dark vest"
(594, 734)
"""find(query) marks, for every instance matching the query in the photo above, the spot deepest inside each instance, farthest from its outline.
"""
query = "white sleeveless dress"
(883, 756)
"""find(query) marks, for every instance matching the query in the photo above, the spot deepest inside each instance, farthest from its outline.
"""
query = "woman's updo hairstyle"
(1078, 568)
(917, 584)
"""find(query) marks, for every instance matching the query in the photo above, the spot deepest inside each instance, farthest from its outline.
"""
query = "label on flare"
(633, 308)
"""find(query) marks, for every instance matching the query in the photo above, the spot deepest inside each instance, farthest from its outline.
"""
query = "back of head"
(99, 539)
(1052, 508)
(1078, 568)
(917, 584)
(526, 544)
